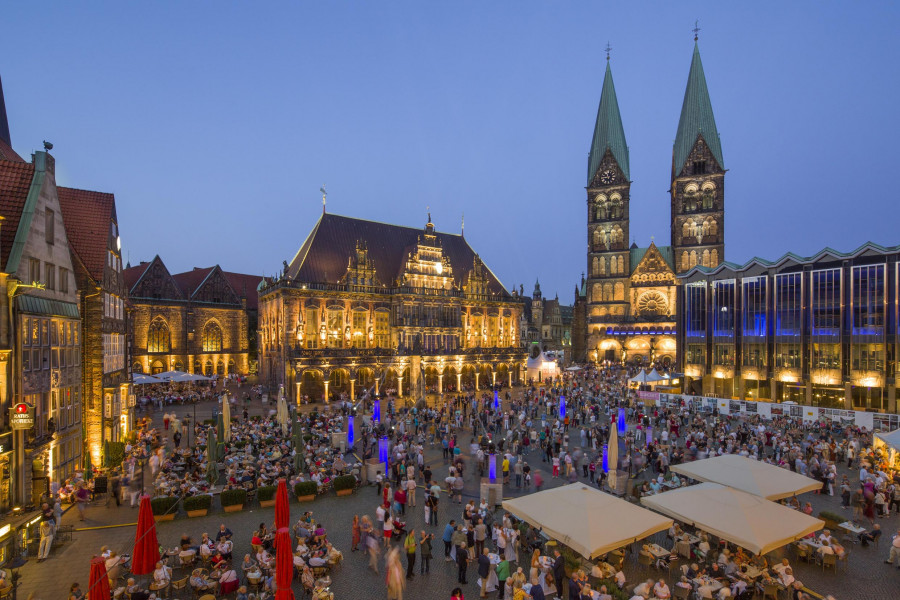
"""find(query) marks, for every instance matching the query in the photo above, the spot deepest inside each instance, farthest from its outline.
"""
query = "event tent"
(141, 379)
(585, 519)
(891, 440)
(751, 522)
(752, 476)
(542, 367)
(640, 377)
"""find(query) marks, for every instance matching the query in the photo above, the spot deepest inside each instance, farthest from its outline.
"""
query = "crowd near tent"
(752, 476)
(754, 523)
(585, 519)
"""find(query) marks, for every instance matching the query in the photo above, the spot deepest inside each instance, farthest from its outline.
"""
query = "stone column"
(400, 386)
(458, 382)
(352, 389)
(477, 375)
(510, 377)
(326, 391)
(440, 383)
(376, 385)
(297, 398)
(493, 378)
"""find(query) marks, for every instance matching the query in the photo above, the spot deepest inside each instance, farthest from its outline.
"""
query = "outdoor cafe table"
(714, 584)
(658, 551)
(852, 529)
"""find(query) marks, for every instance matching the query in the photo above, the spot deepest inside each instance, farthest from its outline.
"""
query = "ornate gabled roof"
(323, 256)
(696, 118)
(608, 131)
(637, 255)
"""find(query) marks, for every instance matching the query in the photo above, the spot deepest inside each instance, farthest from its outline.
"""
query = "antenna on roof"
(696, 29)
(324, 197)
(462, 229)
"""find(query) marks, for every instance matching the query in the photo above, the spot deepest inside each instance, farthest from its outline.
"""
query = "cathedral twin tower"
(629, 295)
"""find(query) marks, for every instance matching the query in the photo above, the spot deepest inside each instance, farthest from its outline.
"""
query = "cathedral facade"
(625, 307)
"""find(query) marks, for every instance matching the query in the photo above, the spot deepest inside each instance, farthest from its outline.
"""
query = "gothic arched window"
(212, 337)
(685, 261)
(158, 336)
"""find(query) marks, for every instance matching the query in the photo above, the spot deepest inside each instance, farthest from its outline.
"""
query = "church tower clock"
(608, 190)
(698, 179)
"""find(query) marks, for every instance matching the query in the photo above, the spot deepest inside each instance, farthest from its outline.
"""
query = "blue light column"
(623, 426)
(562, 407)
(492, 467)
(649, 435)
(376, 411)
(351, 434)
(605, 458)
(383, 450)
(496, 400)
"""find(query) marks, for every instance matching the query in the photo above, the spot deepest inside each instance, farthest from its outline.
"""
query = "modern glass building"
(819, 330)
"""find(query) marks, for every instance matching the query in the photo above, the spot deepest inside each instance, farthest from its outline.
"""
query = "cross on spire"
(696, 29)
(324, 197)
(608, 48)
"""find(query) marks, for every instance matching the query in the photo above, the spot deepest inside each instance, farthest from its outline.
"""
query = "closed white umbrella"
(226, 416)
(612, 457)
(281, 415)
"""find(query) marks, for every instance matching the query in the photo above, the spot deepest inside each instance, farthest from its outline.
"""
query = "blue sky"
(215, 123)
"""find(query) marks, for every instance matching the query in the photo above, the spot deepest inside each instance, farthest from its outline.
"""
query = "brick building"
(93, 232)
(201, 321)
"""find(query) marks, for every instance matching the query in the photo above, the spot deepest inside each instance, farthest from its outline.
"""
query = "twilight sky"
(215, 123)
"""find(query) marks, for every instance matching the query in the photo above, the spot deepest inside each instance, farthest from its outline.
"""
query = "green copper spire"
(696, 117)
(608, 131)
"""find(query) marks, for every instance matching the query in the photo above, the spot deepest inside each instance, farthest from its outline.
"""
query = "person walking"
(81, 498)
(355, 529)
(484, 571)
(502, 576)
(447, 538)
(425, 545)
(394, 580)
(409, 544)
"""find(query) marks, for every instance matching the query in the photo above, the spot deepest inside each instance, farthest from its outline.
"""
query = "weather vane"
(608, 48)
(324, 197)
(696, 29)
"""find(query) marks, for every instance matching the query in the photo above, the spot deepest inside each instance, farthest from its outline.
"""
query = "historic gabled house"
(626, 306)
(40, 335)
(198, 321)
(388, 309)
(93, 232)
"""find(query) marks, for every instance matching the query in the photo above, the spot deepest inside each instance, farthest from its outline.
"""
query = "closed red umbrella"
(98, 588)
(146, 547)
(284, 565)
(282, 507)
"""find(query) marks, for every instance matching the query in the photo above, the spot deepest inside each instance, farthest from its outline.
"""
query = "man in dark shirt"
(223, 532)
(559, 572)
(484, 570)
(462, 561)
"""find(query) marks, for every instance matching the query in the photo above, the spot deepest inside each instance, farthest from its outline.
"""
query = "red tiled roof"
(87, 216)
(7, 153)
(132, 274)
(190, 280)
(242, 284)
(15, 180)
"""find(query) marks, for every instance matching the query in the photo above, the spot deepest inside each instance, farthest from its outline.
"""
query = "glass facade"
(825, 319)
(788, 320)
(754, 321)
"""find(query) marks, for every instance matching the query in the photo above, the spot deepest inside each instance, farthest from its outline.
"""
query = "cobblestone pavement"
(865, 576)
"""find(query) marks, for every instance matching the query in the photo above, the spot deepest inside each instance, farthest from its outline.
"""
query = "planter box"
(309, 498)
(198, 513)
(168, 517)
(233, 507)
(345, 492)
(266, 503)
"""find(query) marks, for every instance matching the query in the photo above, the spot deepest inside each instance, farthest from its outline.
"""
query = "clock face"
(607, 177)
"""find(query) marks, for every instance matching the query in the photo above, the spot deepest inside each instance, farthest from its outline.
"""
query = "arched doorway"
(389, 385)
(338, 383)
(137, 368)
(468, 375)
(365, 379)
(232, 367)
(450, 379)
(157, 367)
(431, 380)
(312, 384)
(179, 366)
(220, 368)
(484, 377)
(208, 368)
(503, 375)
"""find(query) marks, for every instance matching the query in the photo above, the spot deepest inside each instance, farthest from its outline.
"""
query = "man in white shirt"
(661, 590)
(895, 550)
(644, 589)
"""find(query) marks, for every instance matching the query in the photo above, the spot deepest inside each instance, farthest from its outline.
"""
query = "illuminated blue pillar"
(351, 434)
(376, 411)
(496, 400)
(605, 458)
(623, 426)
(562, 407)
(492, 467)
(383, 450)
(649, 435)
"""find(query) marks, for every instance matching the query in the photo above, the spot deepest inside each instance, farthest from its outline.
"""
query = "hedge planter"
(233, 500)
(306, 491)
(266, 495)
(344, 485)
(197, 506)
(164, 508)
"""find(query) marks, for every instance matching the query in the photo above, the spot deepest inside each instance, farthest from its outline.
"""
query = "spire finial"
(462, 229)
(324, 197)
(608, 48)
(696, 29)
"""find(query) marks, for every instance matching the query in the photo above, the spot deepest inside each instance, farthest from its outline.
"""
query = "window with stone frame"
(158, 337)
(212, 337)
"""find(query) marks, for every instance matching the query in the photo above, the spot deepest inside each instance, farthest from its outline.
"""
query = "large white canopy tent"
(891, 440)
(752, 476)
(751, 522)
(585, 519)
(542, 367)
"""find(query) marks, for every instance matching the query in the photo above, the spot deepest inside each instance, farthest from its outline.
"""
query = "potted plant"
(344, 485)
(163, 508)
(197, 506)
(306, 491)
(233, 500)
(266, 495)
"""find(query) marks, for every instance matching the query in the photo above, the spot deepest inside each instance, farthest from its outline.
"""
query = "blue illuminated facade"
(819, 330)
